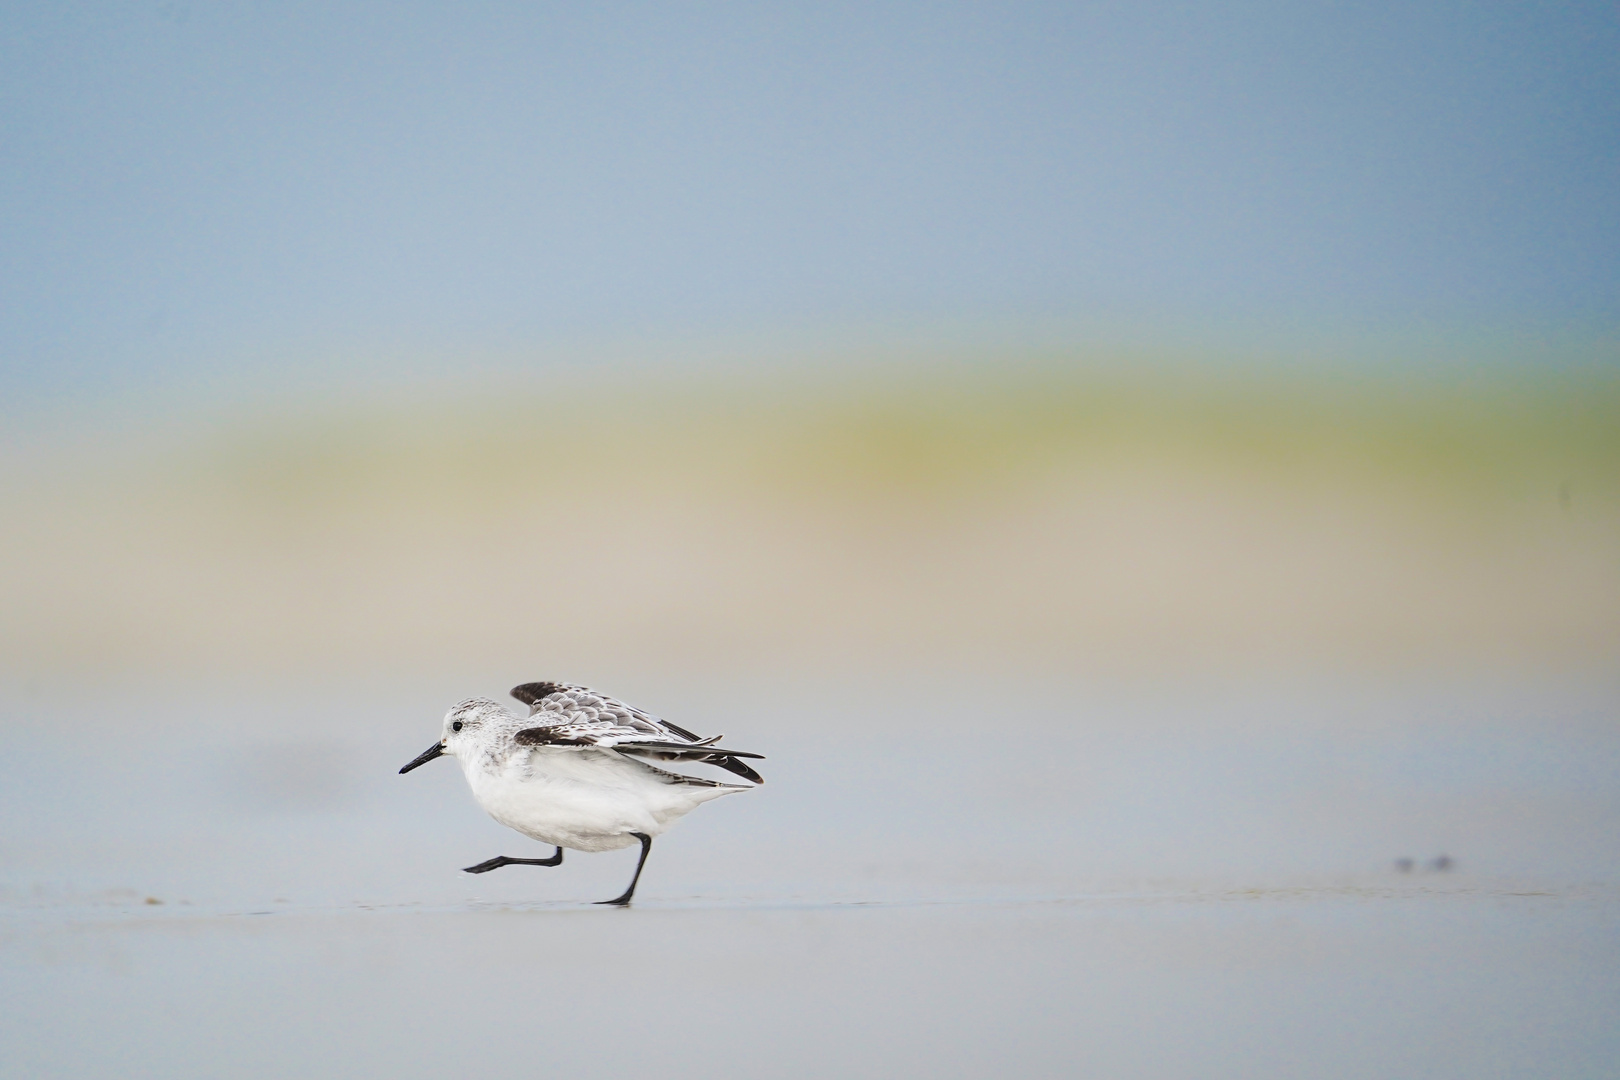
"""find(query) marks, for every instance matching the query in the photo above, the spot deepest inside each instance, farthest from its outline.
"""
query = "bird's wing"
(564, 700)
(567, 715)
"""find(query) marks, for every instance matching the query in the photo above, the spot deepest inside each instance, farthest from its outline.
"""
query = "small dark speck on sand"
(153, 900)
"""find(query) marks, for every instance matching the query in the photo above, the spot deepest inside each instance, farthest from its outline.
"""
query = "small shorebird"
(571, 773)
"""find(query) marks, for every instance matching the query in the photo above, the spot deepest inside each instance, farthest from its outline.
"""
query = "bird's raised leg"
(646, 846)
(504, 860)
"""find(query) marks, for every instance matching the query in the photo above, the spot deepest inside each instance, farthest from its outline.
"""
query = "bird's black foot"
(504, 860)
(624, 901)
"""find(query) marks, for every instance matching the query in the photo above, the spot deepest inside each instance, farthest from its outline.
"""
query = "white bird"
(569, 774)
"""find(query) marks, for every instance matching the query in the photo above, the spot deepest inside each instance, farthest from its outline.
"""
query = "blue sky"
(205, 192)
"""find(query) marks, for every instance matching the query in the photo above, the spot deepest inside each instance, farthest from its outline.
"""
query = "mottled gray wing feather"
(573, 703)
(569, 715)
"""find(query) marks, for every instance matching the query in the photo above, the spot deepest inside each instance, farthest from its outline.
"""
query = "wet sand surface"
(1345, 982)
(1123, 891)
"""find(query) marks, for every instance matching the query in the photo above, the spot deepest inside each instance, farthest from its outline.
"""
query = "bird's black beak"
(426, 756)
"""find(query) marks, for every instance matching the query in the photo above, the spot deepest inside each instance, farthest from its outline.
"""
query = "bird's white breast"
(584, 799)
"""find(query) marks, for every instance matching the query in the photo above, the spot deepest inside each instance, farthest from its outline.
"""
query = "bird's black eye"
(456, 726)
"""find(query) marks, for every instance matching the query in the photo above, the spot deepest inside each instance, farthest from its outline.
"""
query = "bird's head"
(467, 724)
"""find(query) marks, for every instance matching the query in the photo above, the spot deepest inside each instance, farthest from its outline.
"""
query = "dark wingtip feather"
(682, 732)
(732, 765)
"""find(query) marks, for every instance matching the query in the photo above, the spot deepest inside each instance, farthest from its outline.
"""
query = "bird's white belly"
(581, 799)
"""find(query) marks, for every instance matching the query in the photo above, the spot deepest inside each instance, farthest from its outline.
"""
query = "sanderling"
(568, 774)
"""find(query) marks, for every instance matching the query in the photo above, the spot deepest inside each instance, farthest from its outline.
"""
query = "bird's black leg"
(502, 860)
(646, 846)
